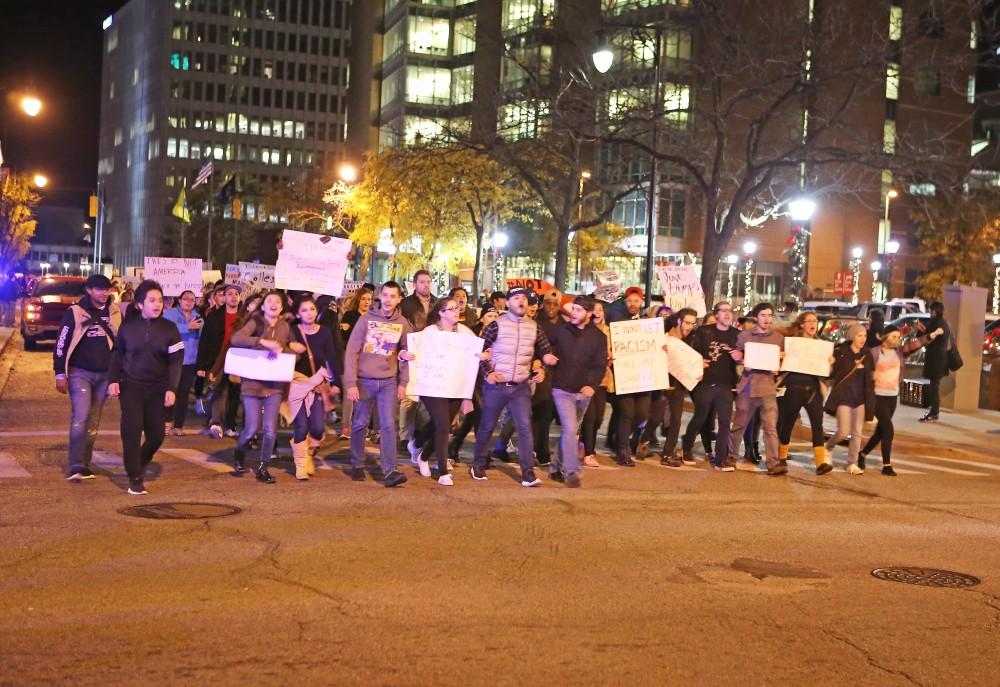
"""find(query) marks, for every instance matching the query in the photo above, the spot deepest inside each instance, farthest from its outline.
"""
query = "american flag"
(203, 175)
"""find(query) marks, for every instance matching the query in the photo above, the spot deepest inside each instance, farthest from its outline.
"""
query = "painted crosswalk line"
(958, 461)
(9, 468)
(199, 458)
(937, 468)
(106, 460)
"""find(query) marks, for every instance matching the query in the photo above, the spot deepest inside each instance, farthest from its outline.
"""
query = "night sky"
(54, 47)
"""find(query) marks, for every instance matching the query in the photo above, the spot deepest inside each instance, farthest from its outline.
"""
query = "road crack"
(873, 662)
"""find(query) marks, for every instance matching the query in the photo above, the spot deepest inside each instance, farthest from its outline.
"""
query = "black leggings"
(180, 409)
(632, 410)
(469, 423)
(593, 419)
(657, 410)
(885, 408)
(675, 409)
(795, 398)
(432, 437)
(933, 396)
(543, 411)
(143, 417)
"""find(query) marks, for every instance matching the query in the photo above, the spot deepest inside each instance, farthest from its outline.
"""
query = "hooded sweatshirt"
(374, 346)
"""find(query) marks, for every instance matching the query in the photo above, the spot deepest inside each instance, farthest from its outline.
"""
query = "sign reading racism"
(640, 362)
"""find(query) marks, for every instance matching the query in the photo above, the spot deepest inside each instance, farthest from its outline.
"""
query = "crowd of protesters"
(545, 358)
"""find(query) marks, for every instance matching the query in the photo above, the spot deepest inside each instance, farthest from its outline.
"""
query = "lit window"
(421, 129)
(118, 137)
(895, 23)
(676, 103)
(892, 81)
(523, 119)
(430, 85)
(970, 91)
(244, 124)
(300, 130)
(195, 151)
(974, 36)
(217, 152)
(677, 45)
(171, 147)
(889, 137)
(621, 100)
(522, 14)
(182, 148)
(464, 41)
(428, 35)
(462, 84)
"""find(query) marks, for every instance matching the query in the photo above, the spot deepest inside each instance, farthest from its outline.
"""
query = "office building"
(258, 86)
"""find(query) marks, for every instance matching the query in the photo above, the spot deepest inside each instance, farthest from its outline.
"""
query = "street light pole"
(891, 248)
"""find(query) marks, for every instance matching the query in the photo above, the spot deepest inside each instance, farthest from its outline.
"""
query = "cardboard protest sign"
(808, 356)
(640, 362)
(312, 262)
(685, 364)
(609, 286)
(255, 278)
(175, 275)
(681, 287)
(262, 365)
(232, 274)
(446, 363)
(761, 356)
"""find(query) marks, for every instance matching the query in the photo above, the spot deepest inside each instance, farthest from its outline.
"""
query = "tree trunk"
(562, 256)
(713, 248)
(474, 296)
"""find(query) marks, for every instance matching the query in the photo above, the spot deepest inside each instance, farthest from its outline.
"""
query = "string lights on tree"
(801, 211)
(856, 254)
(749, 248)
(731, 281)
(876, 266)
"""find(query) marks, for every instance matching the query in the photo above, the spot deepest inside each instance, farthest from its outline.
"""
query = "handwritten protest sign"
(255, 278)
(808, 356)
(446, 363)
(684, 363)
(761, 356)
(175, 275)
(640, 361)
(262, 365)
(609, 286)
(312, 262)
(681, 287)
(350, 287)
(232, 274)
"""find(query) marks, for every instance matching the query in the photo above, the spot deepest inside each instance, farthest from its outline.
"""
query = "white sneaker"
(446, 481)
(215, 431)
(232, 433)
(532, 483)
(425, 467)
(411, 446)
(855, 470)
(451, 464)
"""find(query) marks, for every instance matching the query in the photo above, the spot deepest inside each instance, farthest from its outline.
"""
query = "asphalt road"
(649, 576)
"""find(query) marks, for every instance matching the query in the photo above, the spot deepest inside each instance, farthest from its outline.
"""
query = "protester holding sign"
(594, 417)
(357, 305)
(216, 332)
(803, 391)
(682, 325)
(432, 438)
(852, 396)
(145, 371)
(375, 373)
(265, 330)
(757, 388)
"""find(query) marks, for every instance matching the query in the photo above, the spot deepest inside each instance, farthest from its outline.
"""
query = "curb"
(6, 336)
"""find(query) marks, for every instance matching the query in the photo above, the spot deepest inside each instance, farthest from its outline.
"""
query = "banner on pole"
(640, 361)
(681, 287)
(175, 275)
(312, 262)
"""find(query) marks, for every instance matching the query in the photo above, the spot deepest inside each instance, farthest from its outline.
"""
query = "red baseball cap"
(634, 290)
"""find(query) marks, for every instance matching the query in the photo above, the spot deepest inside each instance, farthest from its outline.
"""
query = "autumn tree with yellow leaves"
(17, 223)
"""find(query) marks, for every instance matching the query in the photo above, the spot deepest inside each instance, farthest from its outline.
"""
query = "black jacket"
(148, 352)
(213, 332)
(936, 352)
(413, 310)
(583, 356)
(329, 318)
(845, 360)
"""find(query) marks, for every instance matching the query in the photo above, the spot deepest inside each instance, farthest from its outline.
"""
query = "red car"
(42, 311)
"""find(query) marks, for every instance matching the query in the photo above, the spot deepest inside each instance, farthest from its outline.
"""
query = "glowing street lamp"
(40, 180)
(802, 209)
(891, 248)
(31, 105)
(348, 173)
(603, 57)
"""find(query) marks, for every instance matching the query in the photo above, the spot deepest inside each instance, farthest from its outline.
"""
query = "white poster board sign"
(640, 362)
(175, 275)
(255, 278)
(681, 287)
(265, 366)
(761, 356)
(350, 287)
(232, 274)
(211, 276)
(808, 356)
(609, 286)
(312, 262)
(685, 364)
(446, 363)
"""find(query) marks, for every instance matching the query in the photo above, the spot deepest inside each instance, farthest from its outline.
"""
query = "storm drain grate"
(926, 577)
(180, 511)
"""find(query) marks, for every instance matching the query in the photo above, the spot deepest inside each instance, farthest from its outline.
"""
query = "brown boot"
(300, 453)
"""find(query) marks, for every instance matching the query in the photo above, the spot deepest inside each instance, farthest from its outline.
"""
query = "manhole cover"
(180, 511)
(926, 577)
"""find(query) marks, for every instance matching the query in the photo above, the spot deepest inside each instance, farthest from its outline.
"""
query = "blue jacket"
(189, 338)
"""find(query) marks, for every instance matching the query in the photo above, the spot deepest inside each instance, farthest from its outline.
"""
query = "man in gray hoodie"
(375, 372)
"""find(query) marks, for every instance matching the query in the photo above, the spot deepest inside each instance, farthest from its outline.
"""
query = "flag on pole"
(203, 175)
(227, 192)
(180, 210)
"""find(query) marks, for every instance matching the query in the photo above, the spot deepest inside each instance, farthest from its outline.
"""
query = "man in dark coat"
(935, 359)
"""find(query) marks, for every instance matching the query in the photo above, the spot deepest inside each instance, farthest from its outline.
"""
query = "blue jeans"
(517, 398)
(381, 393)
(314, 425)
(571, 409)
(87, 393)
(252, 407)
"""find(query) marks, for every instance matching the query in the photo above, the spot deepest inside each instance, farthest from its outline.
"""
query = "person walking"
(432, 437)
(757, 389)
(581, 352)
(594, 417)
(375, 373)
(266, 329)
(714, 393)
(803, 391)
(629, 410)
(888, 360)
(852, 397)
(81, 360)
(188, 323)
(935, 359)
(513, 341)
(313, 386)
(145, 371)
(216, 332)
(682, 325)
(415, 309)
(357, 305)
